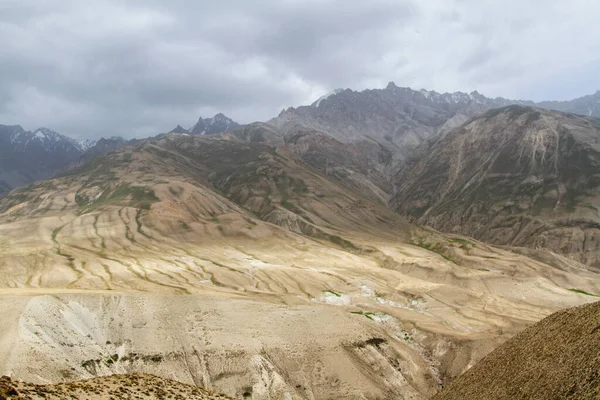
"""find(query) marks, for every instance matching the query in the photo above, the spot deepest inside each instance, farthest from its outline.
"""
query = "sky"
(140, 67)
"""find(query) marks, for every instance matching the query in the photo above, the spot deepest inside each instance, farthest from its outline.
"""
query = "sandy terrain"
(275, 318)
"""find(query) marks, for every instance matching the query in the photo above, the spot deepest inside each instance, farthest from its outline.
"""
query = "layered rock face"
(515, 176)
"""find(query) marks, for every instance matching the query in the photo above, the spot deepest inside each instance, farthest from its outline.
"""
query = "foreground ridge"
(130, 386)
(557, 358)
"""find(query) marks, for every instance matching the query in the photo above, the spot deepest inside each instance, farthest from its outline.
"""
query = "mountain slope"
(381, 128)
(361, 166)
(133, 386)
(397, 118)
(237, 267)
(557, 358)
(100, 147)
(26, 157)
(586, 105)
(514, 176)
(29, 156)
(361, 138)
(401, 118)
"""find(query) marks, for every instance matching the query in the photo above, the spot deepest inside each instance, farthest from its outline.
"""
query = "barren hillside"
(239, 268)
(133, 386)
(515, 176)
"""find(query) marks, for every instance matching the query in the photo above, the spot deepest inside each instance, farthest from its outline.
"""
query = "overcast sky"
(139, 67)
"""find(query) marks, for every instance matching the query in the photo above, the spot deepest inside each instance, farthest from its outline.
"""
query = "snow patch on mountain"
(326, 96)
(85, 144)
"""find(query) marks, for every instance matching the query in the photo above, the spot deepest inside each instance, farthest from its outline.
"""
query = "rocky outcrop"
(210, 126)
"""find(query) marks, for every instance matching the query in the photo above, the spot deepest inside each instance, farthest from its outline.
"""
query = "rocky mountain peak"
(179, 129)
(210, 126)
(28, 156)
(326, 96)
(221, 117)
(86, 144)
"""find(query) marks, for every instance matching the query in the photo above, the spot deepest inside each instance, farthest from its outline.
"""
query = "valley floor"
(298, 320)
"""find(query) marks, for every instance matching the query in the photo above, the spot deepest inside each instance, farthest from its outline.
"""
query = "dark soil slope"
(557, 358)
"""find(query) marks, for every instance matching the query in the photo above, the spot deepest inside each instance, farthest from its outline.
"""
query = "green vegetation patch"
(369, 315)
(139, 197)
(285, 203)
(462, 241)
(346, 244)
(582, 292)
(184, 225)
(336, 294)
(436, 248)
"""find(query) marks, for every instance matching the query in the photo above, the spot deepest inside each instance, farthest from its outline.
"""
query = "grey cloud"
(138, 67)
(477, 58)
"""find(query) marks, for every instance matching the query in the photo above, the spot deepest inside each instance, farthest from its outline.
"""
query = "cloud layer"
(139, 67)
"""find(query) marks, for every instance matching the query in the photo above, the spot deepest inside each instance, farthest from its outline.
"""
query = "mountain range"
(371, 245)
(388, 143)
(172, 255)
(29, 156)
(385, 123)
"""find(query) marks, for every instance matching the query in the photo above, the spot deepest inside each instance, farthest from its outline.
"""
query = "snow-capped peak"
(320, 99)
(45, 133)
(45, 138)
(221, 117)
(85, 144)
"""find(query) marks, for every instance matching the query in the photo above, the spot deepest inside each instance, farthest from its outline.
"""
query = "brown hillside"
(515, 176)
(132, 386)
(557, 358)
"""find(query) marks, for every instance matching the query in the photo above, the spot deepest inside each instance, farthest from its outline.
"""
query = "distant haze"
(135, 68)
